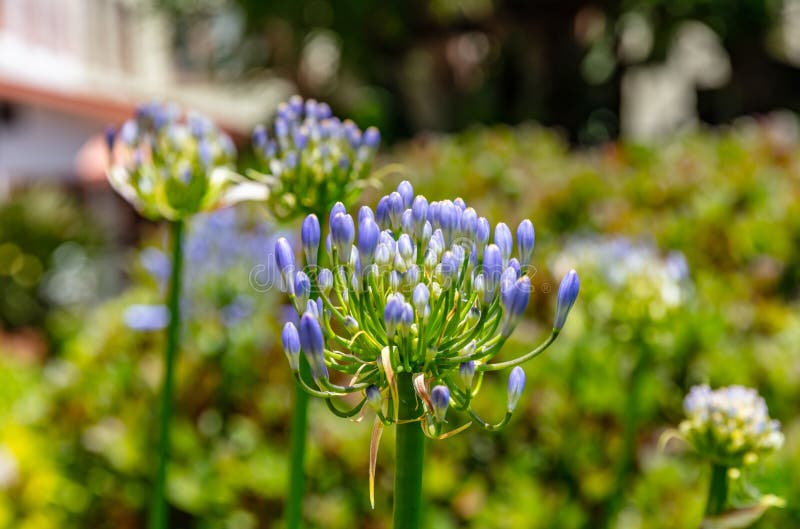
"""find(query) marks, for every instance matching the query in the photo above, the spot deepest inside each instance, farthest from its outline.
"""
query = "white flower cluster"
(730, 425)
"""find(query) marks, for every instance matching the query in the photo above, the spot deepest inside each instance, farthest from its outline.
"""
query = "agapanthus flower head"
(430, 296)
(730, 426)
(310, 159)
(171, 166)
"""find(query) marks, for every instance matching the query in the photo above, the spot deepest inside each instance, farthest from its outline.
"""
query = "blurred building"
(68, 68)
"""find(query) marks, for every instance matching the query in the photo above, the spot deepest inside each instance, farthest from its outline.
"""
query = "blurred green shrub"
(73, 443)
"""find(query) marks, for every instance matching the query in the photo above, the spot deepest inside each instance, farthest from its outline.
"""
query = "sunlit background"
(654, 144)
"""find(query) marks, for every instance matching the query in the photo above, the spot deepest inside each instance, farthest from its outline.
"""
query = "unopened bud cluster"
(172, 166)
(730, 426)
(427, 288)
(311, 159)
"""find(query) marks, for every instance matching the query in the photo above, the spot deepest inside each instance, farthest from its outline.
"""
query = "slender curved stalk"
(158, 513)
(410, 453)
(717, 490)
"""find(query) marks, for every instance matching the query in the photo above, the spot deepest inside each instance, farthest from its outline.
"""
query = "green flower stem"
(297, 451)
(158, 513)
(410, 452)
(717, 490)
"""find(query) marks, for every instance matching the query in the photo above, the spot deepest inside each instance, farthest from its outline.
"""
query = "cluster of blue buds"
(730, 426)
(312, 159)
(426, 288)
(171, 167)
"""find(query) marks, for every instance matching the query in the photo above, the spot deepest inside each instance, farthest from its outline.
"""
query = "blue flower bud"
(419, 214)
(407, 222)
(503, 240)
(567, 294)
(514, 264)
(392, 314)
(469, 223)
(350, 324)
(406, 319)
(281, 128)
(310, 234)
(440, 401)
(449, 267)
(314, 308)
(473, 316)
(482, 235)
(406, 190)
(492, 271)
(324, 111)
(296, 105)
(479, 286)
(405, 248)
(515, 305)
(363, 213)
(394, 280)
(342, 235)
(311, 108)
(291, 345)
(396, 208)
(372, 137)
(383, 255)
(420, 297)
(335, 210)
(374, 398)
(460, 204)
(434, 210)
(382, 213)
(448, 221)
(368, 233)
(325, 280)
(466, 371)
(526, 237)
(284, 258)
(302, 289)
(411, 276)
(313, 345)
(516, 384)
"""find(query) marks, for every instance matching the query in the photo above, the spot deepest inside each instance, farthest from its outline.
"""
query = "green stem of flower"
(158, 512)
(717, 490)
(297, 451)
(410, 453)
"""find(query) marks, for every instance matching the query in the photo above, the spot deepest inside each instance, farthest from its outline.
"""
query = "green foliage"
(729, 200)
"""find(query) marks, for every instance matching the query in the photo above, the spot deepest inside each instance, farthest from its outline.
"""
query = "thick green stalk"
(410, 453)
(717, 490)
(294, 507)
(158, 513)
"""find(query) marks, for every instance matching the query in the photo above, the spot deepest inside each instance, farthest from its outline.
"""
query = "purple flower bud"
(310, 233)
(368, 233)
(516, 385)
(526, 237)
(440, 401)
(311, 108)
(514, 263)
(337, 208)
(460, 204)
(301, 138)
(411, 277)
(503, 240)
(374, 398)
(392, 314)
(407, 222)
(420, 297)
(325, 280)
(405, 247)
(281, 128)
(129, 132)
(382, 213)
(296, 105)
(342, 235)
(302, 289)
(466, 371)
(434, 210)
(324, 111)
(492, 271)
(447, 221)
(314, 308)
(396, 208)
(313, 345)
(406, 190)
(259, 137)
(284, 258)
(372, 137)
(419, 214)
(406, 319)
(363, 213)
(291, 345)
(482, 235)
(567, 294)
(515, 304)
(469, 223)
(449, 267)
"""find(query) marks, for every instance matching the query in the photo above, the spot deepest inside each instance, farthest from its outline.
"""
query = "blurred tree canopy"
(412, 65)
